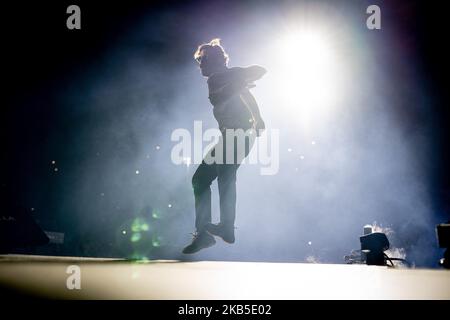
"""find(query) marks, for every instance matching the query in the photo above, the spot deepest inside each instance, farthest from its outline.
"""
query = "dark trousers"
(225, 173)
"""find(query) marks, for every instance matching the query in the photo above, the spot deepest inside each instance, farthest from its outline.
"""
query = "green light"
(139, 225)
(136, 237)
(156, 214)
(124, 232)
(139, 258)
(136, 226)
(135, 256)
(156, 241)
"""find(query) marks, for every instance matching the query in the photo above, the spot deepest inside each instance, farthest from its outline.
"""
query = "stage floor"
(210, 280)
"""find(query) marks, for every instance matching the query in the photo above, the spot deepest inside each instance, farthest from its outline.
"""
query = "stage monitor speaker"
(19, 230)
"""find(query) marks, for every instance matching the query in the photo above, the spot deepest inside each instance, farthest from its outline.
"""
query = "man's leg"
(201, 183)
(227, 192)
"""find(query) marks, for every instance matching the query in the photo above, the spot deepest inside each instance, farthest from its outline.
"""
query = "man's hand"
(254, 73)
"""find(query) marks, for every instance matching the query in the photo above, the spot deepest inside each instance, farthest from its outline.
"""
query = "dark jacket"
(234, 105)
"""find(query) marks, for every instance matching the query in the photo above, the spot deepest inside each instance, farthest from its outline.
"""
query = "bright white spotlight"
(306, 72)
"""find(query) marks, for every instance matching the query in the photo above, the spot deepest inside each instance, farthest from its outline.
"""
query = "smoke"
(392, 252)
(351, 163)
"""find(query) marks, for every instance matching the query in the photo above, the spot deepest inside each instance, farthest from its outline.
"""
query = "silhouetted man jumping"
(234, 107)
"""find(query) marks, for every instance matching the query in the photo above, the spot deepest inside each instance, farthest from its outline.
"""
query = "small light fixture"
(443, 237)
(373, 245)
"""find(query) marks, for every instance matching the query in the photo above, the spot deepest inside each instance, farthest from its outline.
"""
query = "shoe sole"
(205, 247)
(216, 235)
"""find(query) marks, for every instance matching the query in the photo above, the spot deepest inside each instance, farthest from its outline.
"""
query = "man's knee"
(199, 183)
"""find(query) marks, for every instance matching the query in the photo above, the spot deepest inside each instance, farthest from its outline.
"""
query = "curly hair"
(214, 51)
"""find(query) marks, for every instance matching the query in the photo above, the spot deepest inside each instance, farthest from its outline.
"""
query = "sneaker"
(222, 231)
(200, 241)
